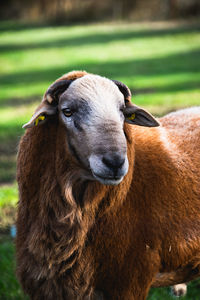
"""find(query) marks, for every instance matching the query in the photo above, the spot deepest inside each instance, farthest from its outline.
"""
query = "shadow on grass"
(9, 286)
(9, 136)
(15, 102)
(184, 62)
(7, 168)
(17, 26)
(98, 38)
(181, 86)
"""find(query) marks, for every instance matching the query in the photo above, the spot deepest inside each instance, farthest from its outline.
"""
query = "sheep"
(109, 196)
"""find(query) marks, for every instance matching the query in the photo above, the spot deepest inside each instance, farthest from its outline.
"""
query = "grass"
(8, 201)
(158, 61)
(9, 286)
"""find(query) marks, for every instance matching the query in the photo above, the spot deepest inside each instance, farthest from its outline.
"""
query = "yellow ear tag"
(40, 118)
(132, 117)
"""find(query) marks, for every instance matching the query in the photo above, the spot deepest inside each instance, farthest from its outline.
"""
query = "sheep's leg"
(137, 284)
(140, 291)
(136, 293)
(145, 268)
(179, 289)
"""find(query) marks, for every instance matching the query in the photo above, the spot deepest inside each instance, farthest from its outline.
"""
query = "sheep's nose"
(113, 161)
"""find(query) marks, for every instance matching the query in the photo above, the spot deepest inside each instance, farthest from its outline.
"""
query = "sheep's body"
(119, 240)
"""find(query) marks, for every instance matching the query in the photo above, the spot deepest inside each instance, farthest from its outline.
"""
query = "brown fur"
(75, 238)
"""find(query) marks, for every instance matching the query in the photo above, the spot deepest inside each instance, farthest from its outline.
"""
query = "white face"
(91, 109)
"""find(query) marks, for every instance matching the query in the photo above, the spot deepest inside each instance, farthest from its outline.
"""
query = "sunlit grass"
(8, 201)
(8, 195)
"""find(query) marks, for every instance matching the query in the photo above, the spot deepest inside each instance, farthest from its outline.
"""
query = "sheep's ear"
(134, 114)
(138, 116)
(49, 104)
(40, 116)
(55, 90)
(124, 90)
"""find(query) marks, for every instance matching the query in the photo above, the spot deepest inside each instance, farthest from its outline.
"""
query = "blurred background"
(63, 11)
(153, 46)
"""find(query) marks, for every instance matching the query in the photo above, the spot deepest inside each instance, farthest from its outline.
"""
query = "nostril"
(113, 161)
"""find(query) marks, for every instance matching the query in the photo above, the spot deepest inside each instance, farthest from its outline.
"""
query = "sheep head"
(93, 110)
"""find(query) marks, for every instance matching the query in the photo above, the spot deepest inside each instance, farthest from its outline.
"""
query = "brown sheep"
(106, 209)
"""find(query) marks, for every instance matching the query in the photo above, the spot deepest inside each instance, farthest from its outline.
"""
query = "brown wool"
(82, 240)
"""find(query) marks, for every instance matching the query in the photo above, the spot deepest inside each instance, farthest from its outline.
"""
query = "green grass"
(9, 286)
(8, 195)
(159, 62)
(8, 201)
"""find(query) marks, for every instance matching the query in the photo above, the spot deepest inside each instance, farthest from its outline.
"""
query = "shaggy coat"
(81, 239)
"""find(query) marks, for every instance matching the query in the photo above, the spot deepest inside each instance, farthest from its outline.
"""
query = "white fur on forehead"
(94, 87)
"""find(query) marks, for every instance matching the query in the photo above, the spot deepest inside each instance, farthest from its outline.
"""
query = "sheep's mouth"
(115, 180)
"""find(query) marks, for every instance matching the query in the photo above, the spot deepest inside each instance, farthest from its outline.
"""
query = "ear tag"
(39, 119)
(132, 117)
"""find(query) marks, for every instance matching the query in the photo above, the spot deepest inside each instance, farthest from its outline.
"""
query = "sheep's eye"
(67, 112)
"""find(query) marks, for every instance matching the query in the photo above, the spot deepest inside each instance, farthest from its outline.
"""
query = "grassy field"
(160, 62)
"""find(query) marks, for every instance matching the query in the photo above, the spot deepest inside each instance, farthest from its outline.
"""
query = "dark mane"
(63, 209)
